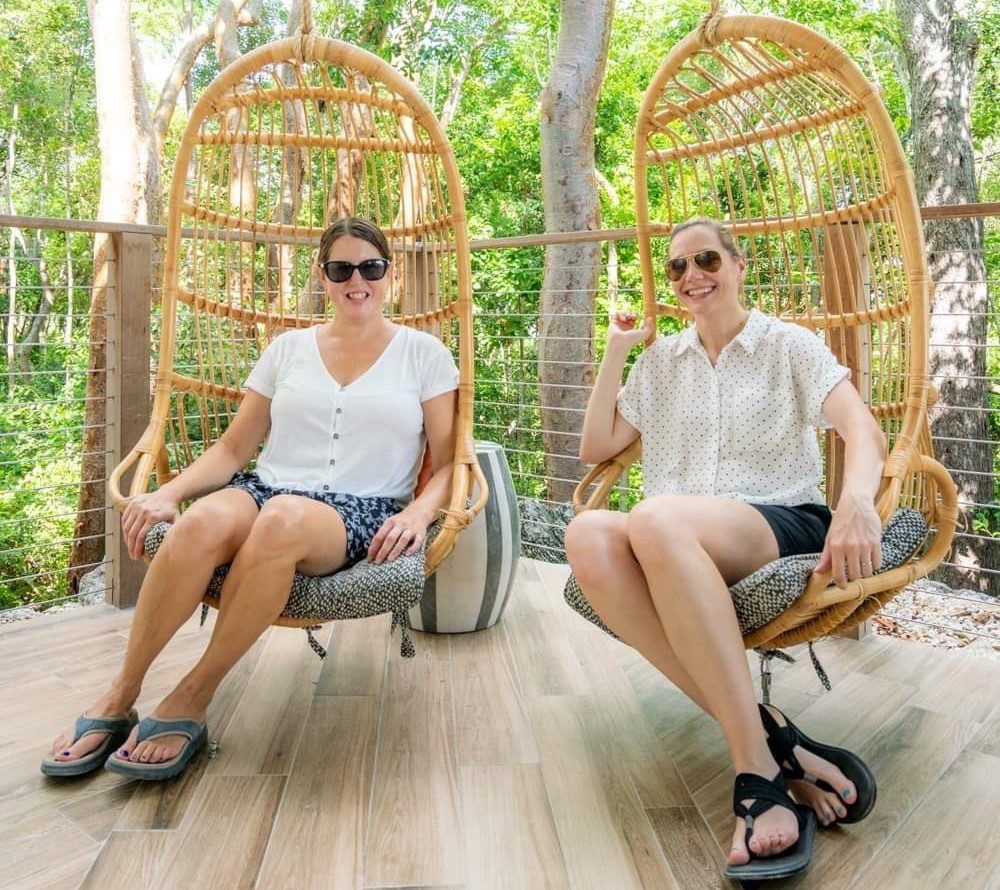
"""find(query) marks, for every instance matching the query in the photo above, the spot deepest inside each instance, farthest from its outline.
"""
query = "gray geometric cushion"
(359, 591)
(766, 593)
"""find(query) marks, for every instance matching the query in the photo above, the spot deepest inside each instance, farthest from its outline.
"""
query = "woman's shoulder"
(664, 349)
(287, 342)
(422, 343)
(292, 337)
(796, 337)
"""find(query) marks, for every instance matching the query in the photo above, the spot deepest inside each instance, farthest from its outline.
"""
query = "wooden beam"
(943, 211)
(127, 403)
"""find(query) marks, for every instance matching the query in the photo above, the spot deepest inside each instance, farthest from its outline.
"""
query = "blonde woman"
(727, 410)
(345, 410)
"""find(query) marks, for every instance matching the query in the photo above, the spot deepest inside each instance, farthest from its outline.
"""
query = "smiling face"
(355, 299)
(701, 292)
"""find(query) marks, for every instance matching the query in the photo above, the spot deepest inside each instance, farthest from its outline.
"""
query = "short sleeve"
(439, 373)
(817, 372)
(264, 376)
(630, 395)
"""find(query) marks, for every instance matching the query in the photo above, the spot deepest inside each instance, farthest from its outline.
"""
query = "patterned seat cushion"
(360, 591)
(763, 595)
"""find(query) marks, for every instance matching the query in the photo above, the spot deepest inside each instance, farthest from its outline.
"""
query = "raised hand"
(623, 333)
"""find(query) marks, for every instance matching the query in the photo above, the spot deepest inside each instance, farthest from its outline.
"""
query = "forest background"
(483, 65)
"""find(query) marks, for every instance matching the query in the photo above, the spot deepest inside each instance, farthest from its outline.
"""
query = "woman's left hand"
(853, 546)
(401, 534)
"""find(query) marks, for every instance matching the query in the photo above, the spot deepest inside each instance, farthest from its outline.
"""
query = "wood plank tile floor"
(539, 753)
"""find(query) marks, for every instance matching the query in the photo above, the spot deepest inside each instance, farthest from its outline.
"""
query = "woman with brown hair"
(345, 410)
(728, 410)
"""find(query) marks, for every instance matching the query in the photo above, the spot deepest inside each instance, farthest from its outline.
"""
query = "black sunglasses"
(339, 271)
(707, 260)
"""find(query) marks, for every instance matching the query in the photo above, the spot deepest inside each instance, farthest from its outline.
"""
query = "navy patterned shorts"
(363, 517)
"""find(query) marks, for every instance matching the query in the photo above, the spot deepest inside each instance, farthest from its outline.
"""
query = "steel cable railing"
(44, 422)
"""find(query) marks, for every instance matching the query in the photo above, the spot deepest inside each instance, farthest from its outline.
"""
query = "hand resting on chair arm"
(405, 532)
(213, 469)
(853, 549)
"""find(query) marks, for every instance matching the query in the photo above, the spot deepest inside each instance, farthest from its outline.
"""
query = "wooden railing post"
(127, 403)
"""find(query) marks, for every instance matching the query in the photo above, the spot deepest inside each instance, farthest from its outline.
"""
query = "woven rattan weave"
(290, 137)
(767, 126)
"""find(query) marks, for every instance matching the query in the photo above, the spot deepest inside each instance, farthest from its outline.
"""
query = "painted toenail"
(845, 793)
(64, 753)
(123, 752)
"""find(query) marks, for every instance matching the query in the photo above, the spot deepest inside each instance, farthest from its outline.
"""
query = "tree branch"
(245, 12)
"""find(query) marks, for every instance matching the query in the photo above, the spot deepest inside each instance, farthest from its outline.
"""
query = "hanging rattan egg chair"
(767, 126)
(293, 135)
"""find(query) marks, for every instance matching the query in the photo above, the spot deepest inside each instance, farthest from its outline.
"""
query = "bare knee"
(204, 530)
(278, 529)
(594, 537)
(658, 528)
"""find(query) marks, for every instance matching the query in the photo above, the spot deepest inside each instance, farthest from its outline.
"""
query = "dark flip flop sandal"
(115, 730)
(765, 794)
(782, 741)
(154, 728)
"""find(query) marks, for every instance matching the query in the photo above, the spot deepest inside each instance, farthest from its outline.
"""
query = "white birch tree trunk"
(122, 199)
(940, 47)
(569, 186)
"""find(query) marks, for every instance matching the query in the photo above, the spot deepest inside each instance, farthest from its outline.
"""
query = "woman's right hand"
(623, 333)
(143, 512)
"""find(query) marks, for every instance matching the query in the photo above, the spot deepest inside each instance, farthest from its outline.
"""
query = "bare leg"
(668, 536)
(598, 549)
(606, 568)
(207, 535)
(600, 552)
(292, 533)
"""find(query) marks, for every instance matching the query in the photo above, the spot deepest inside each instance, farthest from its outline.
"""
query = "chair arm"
(604, 475)
(144, 453)
(460, 513)
(824, 607)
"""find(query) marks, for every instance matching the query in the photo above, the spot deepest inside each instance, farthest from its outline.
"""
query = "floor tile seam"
(887, 840)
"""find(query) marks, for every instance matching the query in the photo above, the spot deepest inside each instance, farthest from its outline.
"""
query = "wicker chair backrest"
(289, 138)
(765, 125)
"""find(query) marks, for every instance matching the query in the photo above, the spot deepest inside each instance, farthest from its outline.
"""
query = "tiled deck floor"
(539, 753)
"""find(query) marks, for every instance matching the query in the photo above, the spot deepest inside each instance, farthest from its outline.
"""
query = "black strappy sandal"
(781, 740)
(766, 794)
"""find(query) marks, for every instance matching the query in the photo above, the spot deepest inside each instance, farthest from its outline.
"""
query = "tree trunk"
(179, 79)
(278, 272)
(569, 187)
(122, 195)
(454, 97)
(243, 166)
(47, 297)
(940, 49)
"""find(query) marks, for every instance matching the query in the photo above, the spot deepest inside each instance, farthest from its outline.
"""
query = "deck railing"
(45, 423)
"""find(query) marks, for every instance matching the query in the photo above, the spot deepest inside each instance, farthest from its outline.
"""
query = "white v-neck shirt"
(745, 429)
(366, 438)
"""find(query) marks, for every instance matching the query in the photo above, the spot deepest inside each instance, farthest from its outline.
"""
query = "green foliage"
(46, 65)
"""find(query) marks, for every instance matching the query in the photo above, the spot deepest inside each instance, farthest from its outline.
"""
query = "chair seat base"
(359, 591)
(768, 592)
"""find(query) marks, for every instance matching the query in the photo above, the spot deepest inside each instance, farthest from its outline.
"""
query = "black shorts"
(800, 529)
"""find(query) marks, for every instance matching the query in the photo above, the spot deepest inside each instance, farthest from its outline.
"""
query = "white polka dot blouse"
(745, 429)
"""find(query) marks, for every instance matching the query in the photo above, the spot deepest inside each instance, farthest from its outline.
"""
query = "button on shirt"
(744, 429)
(366, 438)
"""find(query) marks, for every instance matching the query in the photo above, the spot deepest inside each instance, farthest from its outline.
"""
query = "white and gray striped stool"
(470, 589)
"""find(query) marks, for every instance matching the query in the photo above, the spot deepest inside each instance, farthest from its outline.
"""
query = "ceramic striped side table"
(470, 589)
